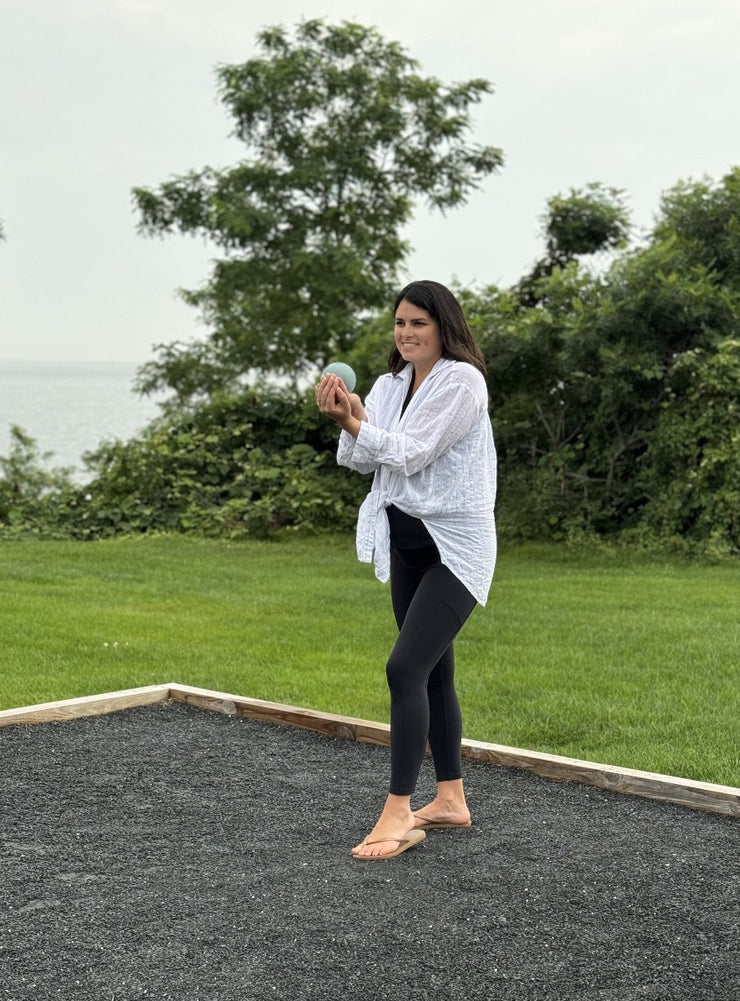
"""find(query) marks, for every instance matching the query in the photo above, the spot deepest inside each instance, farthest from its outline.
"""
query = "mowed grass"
(608, 656)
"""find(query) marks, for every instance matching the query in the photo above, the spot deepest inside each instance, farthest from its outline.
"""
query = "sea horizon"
(70, 407)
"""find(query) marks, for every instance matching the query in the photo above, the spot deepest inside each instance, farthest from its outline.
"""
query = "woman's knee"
(400, 674)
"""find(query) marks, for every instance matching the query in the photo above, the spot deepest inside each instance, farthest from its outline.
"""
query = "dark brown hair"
(442, 306)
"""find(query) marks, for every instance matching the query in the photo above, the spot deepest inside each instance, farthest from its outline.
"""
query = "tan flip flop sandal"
(414, 837)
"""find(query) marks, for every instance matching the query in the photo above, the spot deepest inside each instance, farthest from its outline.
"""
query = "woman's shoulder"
(389, 382)
(463, 373)
(386, 379)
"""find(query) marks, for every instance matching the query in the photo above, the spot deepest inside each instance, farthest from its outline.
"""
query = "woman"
(428, 524)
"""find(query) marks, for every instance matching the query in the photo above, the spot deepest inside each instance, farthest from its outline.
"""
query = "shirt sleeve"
(437, 425)
(347, 454)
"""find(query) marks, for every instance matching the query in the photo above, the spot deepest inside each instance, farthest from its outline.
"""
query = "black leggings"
(430, 605)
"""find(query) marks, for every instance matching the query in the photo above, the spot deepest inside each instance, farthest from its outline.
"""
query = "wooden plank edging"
(346, 727)
(684, 792)
(670, 788)
(88, 705)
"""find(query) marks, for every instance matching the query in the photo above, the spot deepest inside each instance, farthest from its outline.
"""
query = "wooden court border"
(684, 792)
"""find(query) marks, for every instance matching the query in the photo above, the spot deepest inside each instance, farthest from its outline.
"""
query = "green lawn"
(608, 656)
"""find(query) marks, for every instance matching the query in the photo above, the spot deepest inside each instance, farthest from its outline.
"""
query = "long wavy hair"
(442, 306)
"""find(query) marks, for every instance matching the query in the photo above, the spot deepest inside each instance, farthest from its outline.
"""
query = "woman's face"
(417, 337)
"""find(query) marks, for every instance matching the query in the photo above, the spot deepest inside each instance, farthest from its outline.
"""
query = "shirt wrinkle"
(436, 462)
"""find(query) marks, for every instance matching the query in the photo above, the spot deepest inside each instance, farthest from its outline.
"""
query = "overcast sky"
(97, 96)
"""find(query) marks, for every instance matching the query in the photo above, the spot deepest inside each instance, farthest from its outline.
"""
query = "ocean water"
(70, 407)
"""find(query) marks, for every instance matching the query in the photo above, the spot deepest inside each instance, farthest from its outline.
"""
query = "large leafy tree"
(586, 221)
(342, 136)
(611, 395)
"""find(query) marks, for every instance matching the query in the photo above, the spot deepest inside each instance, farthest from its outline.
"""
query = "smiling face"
(417, 337)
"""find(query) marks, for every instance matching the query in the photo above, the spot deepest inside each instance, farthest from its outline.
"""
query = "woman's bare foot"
(448, 807)
(395, 822)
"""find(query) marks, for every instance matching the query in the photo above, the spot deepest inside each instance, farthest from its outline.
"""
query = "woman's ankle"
(451, 794)
(396, 806)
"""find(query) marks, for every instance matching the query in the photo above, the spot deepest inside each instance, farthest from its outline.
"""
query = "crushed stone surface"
(169, 852)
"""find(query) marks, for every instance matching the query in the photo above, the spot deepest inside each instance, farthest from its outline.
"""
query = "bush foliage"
(252, 464)
(614, 398)
(613, 395)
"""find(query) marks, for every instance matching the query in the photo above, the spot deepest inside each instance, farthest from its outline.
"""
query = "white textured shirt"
(437, 462)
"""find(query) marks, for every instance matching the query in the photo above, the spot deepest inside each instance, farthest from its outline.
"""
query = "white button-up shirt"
(437, 462)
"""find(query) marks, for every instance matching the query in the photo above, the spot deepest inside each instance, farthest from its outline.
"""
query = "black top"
(406, 402)
(407, 532)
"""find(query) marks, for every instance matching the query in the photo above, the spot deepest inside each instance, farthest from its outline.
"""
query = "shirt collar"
(441, 365)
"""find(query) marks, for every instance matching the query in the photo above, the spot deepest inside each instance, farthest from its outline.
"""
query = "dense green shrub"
(614, 400)
(32, 498)
(613, 396)
(253, 464)
(693, 479)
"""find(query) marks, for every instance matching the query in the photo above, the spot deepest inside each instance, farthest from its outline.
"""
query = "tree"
(701, 219)
(611, 393)
(693, 479)
(584, 222)
(342, 135)
(614, 401)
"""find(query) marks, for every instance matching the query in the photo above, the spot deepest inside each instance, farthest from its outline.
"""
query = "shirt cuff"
(367, 442)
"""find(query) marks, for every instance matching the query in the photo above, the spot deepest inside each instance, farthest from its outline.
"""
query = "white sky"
(97, 96)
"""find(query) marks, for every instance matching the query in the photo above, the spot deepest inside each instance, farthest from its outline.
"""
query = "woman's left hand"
(333, 400)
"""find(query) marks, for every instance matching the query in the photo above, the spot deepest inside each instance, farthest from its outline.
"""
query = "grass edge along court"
(607, 656)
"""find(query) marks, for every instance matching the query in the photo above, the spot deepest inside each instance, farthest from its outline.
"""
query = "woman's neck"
(420, 374)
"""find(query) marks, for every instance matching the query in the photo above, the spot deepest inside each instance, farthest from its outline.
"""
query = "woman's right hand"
(356, 407)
